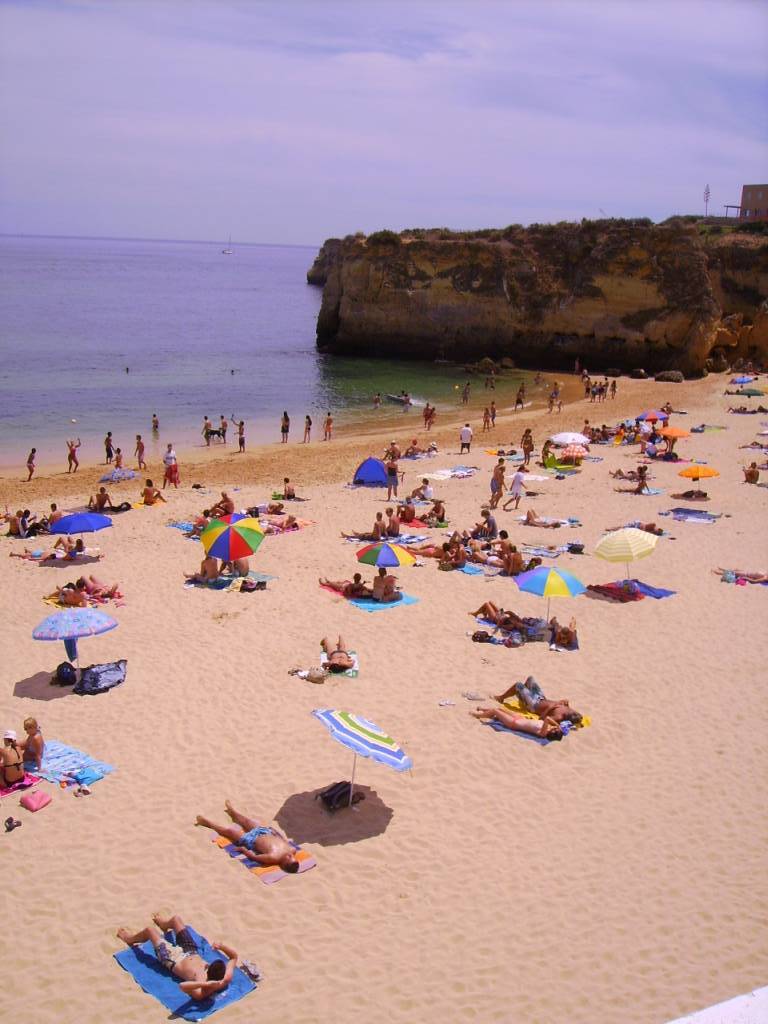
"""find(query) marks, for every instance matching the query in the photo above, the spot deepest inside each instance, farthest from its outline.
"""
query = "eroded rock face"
(621, 294)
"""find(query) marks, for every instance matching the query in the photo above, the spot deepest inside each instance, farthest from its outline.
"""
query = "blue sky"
(295, 121)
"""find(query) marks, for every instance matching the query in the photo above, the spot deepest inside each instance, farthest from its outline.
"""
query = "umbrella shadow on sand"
(38, 687)
(305, 820)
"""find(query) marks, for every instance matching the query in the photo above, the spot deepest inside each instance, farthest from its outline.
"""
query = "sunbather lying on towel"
(376, 534)
(64, 548)
(545, 728)
(94, 587)
(498, 616)
(530, 696)
(281, 524)
(563, 636)
(70, 595)
(750, 577)
(209, 571)
(197, 979)
(258, 842)
(619, 474)
(645, 527)
(355, 587)
(532, 519)
(339, 658)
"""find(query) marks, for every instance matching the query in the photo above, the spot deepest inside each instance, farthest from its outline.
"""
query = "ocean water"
(201, 333)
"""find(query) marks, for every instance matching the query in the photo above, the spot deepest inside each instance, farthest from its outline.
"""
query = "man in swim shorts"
(181, 958)
(257, 842)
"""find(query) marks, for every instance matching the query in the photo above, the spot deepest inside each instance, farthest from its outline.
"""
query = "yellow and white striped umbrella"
(626, 545)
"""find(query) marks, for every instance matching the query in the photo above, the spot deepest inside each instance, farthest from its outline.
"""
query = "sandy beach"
(618, 876)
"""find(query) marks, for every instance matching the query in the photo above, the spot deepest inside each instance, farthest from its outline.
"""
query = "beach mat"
(514, 704)
(224, 582)
(367, 604)
(692, 515)
(498, 727)
(61, 761)
(271, 873)
(143, 966)
(471, 570)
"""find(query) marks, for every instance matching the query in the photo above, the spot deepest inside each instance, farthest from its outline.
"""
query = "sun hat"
(10, 734)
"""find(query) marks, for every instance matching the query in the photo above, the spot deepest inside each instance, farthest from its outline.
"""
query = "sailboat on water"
(228, 250)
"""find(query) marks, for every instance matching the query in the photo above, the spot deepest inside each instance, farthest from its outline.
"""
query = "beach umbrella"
(388, 555)
(72, 624)
(81, 522)
(363, 738)
(742, 380)
(625, 545)
(549, 583)
(674, 432)
(233, 536)
(653, 415)
(574, 451)
(569, 438)
(698, 472)
(750, 392)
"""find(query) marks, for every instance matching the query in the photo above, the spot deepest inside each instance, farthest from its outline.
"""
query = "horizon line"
(141, 238)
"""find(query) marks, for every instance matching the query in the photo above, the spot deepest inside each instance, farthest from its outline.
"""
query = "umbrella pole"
(549, 602)
(352, 783)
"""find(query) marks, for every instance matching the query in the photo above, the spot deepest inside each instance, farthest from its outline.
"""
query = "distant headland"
(684, 295)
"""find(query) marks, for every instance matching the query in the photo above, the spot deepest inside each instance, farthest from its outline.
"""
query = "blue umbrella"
(71, 624)
(81, 522)
(363, 738)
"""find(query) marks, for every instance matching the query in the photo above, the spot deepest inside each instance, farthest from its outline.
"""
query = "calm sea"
(180, 317)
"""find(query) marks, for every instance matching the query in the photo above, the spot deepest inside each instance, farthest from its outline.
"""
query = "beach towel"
(25, 783)
(225, 582)
(100, 678)
(572, 521)
(185, 527)
(498, 727)
(271, 873)
(514, 704)
(615, 592)
(650, 490)
(471, 570)
(536, 552)
(143, 966)
(692, 515)
(351, 673)
(367, 604)
(61, 762)
(656, 592)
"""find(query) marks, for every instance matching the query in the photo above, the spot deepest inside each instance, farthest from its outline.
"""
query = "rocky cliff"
(622, 294)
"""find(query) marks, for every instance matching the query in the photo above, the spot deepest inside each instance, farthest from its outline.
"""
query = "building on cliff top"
(754, 203)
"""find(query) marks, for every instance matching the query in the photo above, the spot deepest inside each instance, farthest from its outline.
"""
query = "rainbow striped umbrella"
(363, 738)
(550, 583)
(385, 554)
(234, 536)
(652, 415)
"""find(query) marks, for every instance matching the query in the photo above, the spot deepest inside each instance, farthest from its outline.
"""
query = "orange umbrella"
(674, 432)
(698, 472)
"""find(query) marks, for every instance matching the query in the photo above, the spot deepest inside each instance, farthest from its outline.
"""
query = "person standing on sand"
(497, 483)
(307, 430)
(108, 449)
(465, 394)
(493, 414)
(139, 452)
(72, 460)
(486, 420)
(328, 427)
(520, 397)
(31, 464)
(285, 426)
(516, 490)
(465, 439)
(240, 424)
(392, 477)
(171, 475)
(526, 443)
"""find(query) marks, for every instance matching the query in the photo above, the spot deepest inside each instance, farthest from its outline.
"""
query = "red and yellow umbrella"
(230, 537)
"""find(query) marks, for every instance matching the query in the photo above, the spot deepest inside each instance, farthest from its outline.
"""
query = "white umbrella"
(567, 438)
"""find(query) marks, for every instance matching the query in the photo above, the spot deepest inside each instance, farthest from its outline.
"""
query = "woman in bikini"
(544, 728)
(347, 588)
(339, 658)
(11, 760)
(72, 460)
(499, 617)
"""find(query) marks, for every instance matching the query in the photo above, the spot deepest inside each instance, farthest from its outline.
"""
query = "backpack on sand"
(337, 796)
(65, 675)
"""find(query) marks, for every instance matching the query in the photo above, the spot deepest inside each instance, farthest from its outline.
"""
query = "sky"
(293, 121)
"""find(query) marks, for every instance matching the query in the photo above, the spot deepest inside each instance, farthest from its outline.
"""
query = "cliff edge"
(621, 294)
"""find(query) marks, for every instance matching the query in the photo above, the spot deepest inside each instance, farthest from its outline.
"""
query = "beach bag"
(87, 776)
(337, 796)
(65, 675)
(575, 548)
(481, 636)
(35, 801)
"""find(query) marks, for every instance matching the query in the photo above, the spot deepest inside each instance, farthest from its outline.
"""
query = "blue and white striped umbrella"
(363, 738)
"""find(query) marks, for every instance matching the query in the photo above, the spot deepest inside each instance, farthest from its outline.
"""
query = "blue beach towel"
(692, 515)
(143, 966)
(367, 604)
(225, 581)
(471, 570)
(651, 490)
(649, 591)
(498, 727)
(60, 760)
